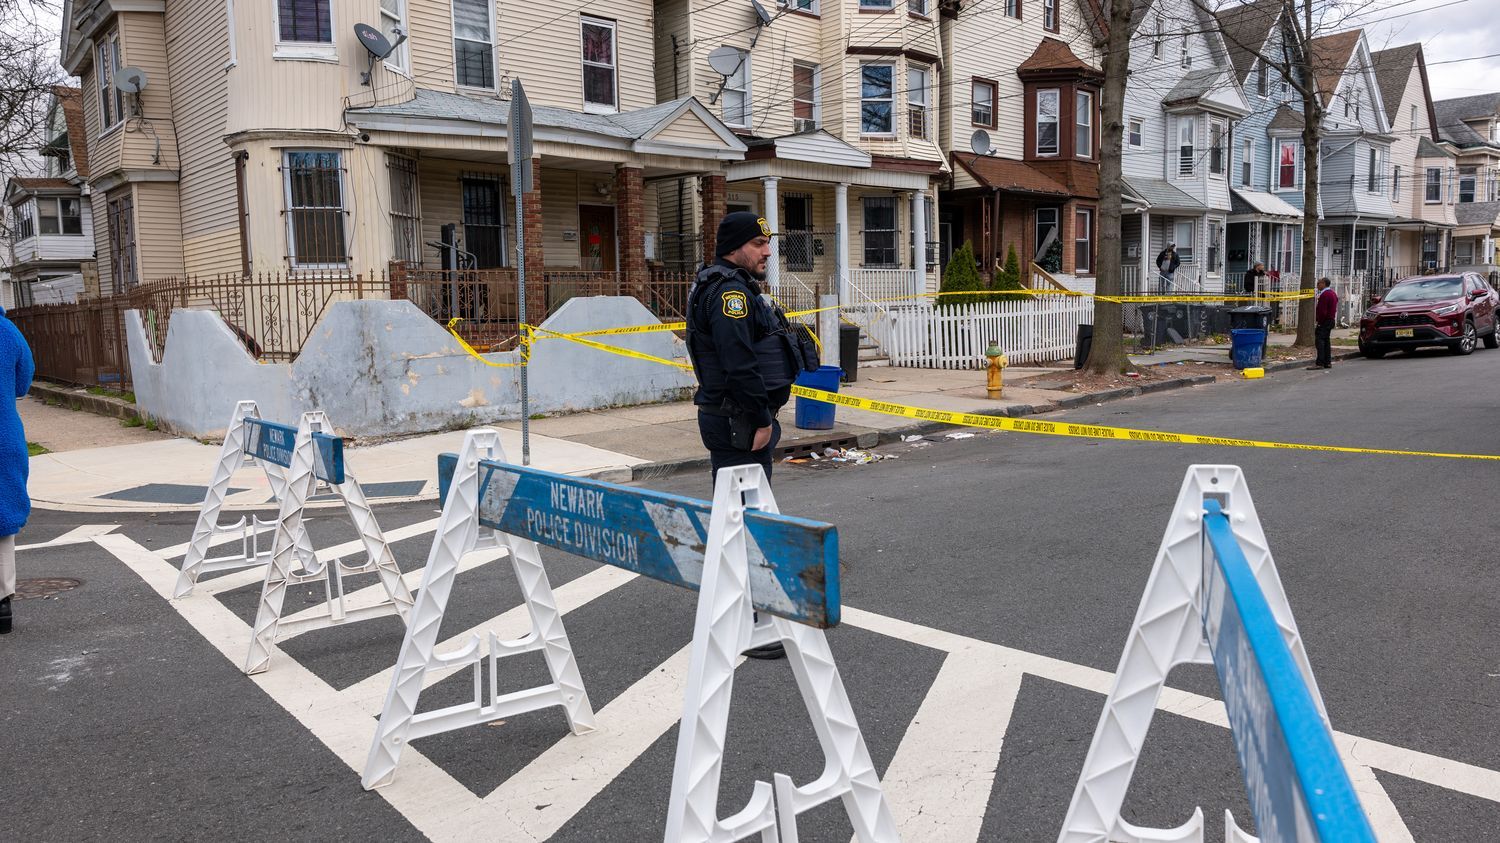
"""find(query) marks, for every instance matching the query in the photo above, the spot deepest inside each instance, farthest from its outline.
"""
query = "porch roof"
(447, 113)
(1160, 193)
(1199, 88)
(817, 147)
(1010, 176)
(1256, 203)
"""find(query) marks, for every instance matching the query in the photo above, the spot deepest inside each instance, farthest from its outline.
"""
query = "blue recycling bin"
(817, 415)
(1246, 346)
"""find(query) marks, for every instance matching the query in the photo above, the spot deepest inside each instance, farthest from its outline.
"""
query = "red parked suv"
(1450, 310)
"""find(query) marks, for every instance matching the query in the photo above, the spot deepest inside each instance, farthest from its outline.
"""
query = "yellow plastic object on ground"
(1252, 374)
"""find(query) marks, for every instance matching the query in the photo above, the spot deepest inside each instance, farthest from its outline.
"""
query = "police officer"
(738, 349)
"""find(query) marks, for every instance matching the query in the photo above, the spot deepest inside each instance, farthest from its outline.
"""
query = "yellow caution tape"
(613, 349)
(1093, 431)
(524, 347)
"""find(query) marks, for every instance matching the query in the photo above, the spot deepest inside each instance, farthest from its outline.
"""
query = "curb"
(77, 399)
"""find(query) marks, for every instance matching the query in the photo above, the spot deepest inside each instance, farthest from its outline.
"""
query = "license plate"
(1403, 333)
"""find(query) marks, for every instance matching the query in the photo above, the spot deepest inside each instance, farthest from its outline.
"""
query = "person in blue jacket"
(16, 369)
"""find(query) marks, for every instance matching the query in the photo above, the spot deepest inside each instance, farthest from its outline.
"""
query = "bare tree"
(1107, 355)
(28, 71)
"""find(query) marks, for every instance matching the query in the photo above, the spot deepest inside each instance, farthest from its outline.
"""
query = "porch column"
(630, 222)
(1148, 280)
(919, 241)
(841, 238)
(773, 221)
(712, 187)
(536, 261)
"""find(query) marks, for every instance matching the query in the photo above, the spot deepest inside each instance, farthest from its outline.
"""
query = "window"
(1158, 38)
(242, 206)
(1049, 15)
(1463, 252)
(1434, 192)
(1047, 121)
(392, 23)
(1413, 117)
(1286, 164)
(1263, 81)
(1372, 185)
(1395, 183)
(1278, 87)
(1046, 229)
(1013, 9)
(599, 66)
(982, 95)
(1133, 131)
(916, 101)
(406, 209)
(1216, 148)
(1286, 253)
(1187, 60)
(917, 7)
(304, 22)
(1247, 162)
(1187, 131)
(806, 107)
(796, 232)
(878, 5)
(880, 232)
(736, 93)
(121, 210)
(1361, 249)
(1082, 229)
(809, 6)
(1083, 124)
(1468, 178)
(473, 44)
(314, 182)
(484, 220)
(58, 216)
(25, 226)
(1184, 232)
(107, 63)
(1215, 239)
(1351, 104)
(876, 99)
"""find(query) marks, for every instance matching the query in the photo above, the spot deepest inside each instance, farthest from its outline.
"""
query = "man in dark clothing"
(1167, 262)
(1326, 312)
(744, 376)
(1253, 278)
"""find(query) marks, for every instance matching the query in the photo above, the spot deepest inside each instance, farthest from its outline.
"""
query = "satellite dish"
(725, 60)
(980, 142)
(762, 18)
(130, 80)
(378, 45)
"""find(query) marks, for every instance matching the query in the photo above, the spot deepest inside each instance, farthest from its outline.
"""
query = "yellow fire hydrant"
(994, 380)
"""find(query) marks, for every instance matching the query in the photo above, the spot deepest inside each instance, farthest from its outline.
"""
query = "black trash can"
(849, 351)
(1084, 345)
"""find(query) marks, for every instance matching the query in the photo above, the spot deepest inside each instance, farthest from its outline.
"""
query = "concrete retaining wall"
(384, 368)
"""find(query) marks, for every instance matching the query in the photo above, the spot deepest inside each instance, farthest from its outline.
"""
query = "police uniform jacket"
(738, 352)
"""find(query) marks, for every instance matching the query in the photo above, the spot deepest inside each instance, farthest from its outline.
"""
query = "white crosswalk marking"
(939, 780)
(77, 535)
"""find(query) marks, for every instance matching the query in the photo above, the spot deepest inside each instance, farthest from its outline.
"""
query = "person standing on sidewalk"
(16, 369)
(1326, 311)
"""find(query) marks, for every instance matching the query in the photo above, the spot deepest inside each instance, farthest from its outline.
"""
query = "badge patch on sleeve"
(734, 305)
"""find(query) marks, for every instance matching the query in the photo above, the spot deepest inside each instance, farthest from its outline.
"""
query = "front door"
(596, 247)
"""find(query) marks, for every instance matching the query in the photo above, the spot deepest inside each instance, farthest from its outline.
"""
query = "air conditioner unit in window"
(804, 124)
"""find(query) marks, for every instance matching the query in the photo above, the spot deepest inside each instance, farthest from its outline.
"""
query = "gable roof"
(1053, 54)
(1393, 70)
(1452, 113)
(1426, 148)
(1286, 118)
(1245, 29)
(1330, 58)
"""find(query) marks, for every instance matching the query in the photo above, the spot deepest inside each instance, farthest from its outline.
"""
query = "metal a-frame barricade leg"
(281, 574)
(725, 627)
(1168, 631)
(233, 455)
(459, 533)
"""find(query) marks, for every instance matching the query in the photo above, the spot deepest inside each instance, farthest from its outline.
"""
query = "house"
(267, 138)
(1182, 99)
(1355, 176)
(1265, 150)
(1470, 127)
(1419, 238)
(1021, 131)
(51, 219)
(837, 103)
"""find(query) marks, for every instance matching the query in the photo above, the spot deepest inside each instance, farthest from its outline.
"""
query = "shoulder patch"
(734, 305)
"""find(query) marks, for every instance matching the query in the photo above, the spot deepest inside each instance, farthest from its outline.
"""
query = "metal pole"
(521, 323)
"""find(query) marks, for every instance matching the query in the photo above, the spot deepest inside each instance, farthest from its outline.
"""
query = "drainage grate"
(45, 587)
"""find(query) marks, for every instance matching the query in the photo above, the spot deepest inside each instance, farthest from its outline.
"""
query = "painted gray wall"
(383, 368)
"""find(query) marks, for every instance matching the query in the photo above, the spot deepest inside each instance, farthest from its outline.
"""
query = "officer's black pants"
(715, 433)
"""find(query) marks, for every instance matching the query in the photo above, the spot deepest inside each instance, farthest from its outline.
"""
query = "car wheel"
(1466, 343)
(1371, 351)
(1492, 339)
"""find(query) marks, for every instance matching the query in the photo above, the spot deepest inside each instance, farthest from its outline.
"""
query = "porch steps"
(870, 354)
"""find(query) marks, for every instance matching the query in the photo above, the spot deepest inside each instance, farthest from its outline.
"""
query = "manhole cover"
(45, 587)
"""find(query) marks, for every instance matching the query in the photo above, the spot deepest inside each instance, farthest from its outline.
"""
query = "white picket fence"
(956, 336)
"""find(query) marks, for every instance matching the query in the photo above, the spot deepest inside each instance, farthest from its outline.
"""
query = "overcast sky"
(1468, 28)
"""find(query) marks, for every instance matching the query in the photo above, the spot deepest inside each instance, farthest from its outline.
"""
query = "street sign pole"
(519, 133)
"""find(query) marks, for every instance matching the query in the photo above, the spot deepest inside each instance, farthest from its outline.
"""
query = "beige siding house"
(1420, 237)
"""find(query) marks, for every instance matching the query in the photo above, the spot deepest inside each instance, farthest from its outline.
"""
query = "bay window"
(314, 185)
(1187, 131)
(876, 99)
(1047, 103)
(1083, 124)
(1286, 164)
(1082, 239)
(1434, 192)
(916, 101)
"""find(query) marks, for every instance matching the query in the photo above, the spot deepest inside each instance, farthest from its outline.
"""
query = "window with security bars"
(880, 232)
(406, 209)
(314, 181)
(796, 232)
(473, 44)
(306, 21)
(484, 221)
(122, 269)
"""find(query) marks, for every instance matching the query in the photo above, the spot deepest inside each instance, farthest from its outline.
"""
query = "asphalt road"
(118, 719)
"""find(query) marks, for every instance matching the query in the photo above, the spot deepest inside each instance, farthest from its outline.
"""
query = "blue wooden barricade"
(1298, 787)
(275, 444)
(794, 561)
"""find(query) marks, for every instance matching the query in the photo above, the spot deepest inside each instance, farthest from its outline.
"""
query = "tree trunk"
(1107, 356)
(1312, 132)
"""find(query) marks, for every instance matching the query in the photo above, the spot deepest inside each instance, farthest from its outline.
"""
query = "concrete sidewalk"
(157, 473)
